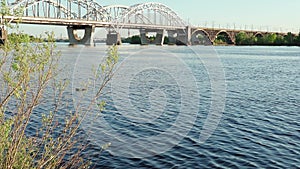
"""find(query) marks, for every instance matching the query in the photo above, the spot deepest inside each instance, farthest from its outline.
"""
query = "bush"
(27, 71)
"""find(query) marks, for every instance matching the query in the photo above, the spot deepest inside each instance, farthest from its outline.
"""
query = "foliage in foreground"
(28, 71)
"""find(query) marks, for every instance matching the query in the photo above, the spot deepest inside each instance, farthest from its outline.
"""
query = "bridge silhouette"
(88, 15)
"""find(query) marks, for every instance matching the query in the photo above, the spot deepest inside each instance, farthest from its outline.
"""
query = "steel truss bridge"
(89, 14)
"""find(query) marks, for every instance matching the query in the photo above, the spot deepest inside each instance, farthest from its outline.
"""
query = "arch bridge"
(89, 14)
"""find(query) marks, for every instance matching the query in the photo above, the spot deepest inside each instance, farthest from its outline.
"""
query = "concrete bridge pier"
(232, 36)
(184, 36)
(144, 39)
(87, 39)
(160, 37)
(172, 35)
(113, 38)
(212, 34)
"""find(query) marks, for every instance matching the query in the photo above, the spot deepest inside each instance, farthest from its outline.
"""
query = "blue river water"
(161, 96)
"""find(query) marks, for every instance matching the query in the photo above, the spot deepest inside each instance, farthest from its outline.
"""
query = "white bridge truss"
(89, 12)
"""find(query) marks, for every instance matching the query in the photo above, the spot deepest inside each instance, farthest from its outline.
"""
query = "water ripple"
(259, 129)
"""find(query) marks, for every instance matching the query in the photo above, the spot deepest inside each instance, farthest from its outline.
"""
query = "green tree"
(243, 38)
(132, 40)
(240, 38)
(221, 39)
(297, 39)
(27, 71)
(289, 38)
(166, 40)
(269, 39)
(279, 40)
(135, 40)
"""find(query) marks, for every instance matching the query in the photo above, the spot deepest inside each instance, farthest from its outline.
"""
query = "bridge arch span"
(230, 38)
(115, 11)
(53, 9)
(96, 11)
(200, 36)
(151, 13)
(68, 9)
(109, 13)
(258, 35)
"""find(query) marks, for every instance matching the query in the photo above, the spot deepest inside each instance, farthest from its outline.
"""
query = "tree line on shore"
(289, 39)
(136, 39)
(24, 37)
(241, 38)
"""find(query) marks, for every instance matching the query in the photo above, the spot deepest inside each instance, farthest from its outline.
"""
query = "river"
(161, 98)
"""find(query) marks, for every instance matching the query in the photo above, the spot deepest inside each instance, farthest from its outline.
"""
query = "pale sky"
(274, 15)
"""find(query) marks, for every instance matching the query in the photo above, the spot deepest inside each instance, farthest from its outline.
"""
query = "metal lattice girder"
(25, 4)
(108, 13)
(94, 11)
(115, 11)
(163, 10)
(151, 15)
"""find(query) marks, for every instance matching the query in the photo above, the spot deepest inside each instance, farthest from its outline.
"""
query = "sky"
(275, 15)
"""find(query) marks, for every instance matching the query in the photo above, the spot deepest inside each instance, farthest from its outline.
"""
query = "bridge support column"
(181, 37)
(87, 39)
(113, 38)
(144, 39)
(160, 37)
(172, 37)
(189, 34)
(232, 36)
(212, 34)
(184, 36)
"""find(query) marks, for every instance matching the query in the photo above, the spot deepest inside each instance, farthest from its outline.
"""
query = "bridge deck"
(67, 22)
